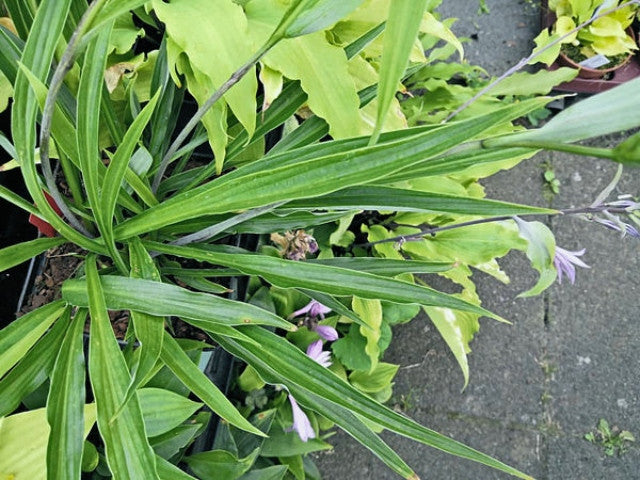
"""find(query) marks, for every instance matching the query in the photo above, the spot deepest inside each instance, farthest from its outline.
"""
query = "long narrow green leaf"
(63, 132)
(296, 370)
(149, 329)
(32, 371)
(620, 106)
(324, 278)
(384, 266)
(21, 14)
(314, 176)
(112, 182)
(20, 335)
(21, 252)
(108, 14)
(400, 33)
(128, 452)
(189, 374)
(168, 471)
(37, 57)
(396, 199)
(65, 404)
(163, 299)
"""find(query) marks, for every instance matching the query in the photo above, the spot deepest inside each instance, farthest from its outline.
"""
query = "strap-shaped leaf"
(128, 452)
(189, 374)
(400, 34)
(21, 252)
(384, 266)
(293, 368)
(400, 200)
(65, 403)
(32, 371)
(163, 299)
(20, 335)
(37, 56)
(324, 278)
(112, 182)
(262, 184)
(149, 329)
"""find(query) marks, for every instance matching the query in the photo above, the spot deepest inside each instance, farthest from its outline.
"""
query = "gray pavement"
(570, 357)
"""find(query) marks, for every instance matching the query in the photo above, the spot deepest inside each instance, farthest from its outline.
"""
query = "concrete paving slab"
(576, 459)
(497, 40)
(514, 446)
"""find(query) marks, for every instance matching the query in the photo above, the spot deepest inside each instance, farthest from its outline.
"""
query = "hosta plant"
(157, 196)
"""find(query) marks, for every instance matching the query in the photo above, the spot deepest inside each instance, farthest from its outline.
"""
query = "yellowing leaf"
(370, 311)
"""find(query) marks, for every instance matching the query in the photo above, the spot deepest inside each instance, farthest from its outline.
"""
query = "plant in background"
(612, 440)
(161, 200)
(603, 43)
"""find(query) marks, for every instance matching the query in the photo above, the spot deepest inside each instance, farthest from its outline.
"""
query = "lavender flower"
(315, 352)
(564, 261)
(301, 423)
(619, 226)
(312, 311)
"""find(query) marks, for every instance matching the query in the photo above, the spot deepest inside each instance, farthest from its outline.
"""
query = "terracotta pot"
(585, 72)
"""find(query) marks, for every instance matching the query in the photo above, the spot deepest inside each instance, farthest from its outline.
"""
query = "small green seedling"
(611, 439)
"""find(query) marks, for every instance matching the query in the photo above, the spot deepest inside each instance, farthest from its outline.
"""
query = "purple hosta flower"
(619, 226)
(301, 423)
(312, 311)
(315, 352)
(564, 261)
(295, 245)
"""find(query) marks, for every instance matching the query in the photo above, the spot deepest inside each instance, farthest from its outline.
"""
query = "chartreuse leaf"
(376, 380)
(370, 311)
(289, 176)
(189, 374)
(540, 83)
(163, 299)
(540, 248)
(194, 27)
(400, 33)
(281, 362)
(457, 330)
(320, 67)
(628, 151)
(220, 464)
(322, 278)
(286, 444)
(21, 252)
(164, 410)
(127, 449)
(20, 335)
(32, 371)
(65, 403)
(23, 443)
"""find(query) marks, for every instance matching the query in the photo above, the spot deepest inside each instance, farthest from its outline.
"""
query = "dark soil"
(62, 263)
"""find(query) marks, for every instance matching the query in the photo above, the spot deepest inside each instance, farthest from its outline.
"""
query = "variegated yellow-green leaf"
(370, 311)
